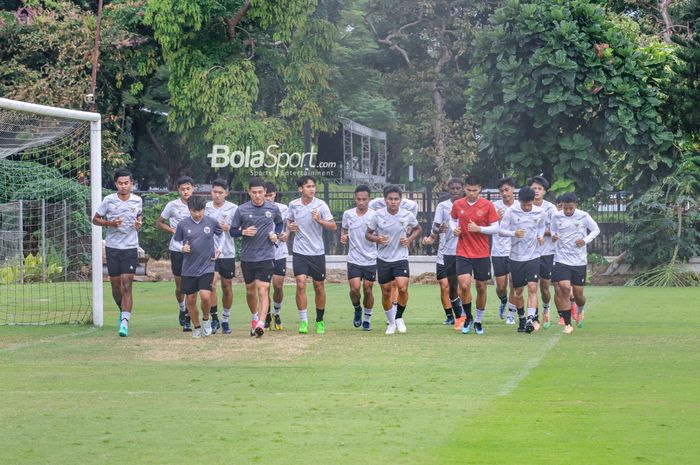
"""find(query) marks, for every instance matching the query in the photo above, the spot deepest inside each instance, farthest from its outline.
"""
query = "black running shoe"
(182, 317)
(186, 328)
(521, 325)
(268, 321)
(530, 324)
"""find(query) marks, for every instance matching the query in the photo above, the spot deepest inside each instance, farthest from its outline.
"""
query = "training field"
(624, 390)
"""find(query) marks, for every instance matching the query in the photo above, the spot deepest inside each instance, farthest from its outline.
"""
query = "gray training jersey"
(360, 251)
(282, 251)
(448, 241)
(568, 230)
(395, 226)
(308, 239)
(224, 214)
(112, 207)
(500, 246)
(524, 249)
(548, 247)
(406, 204)
(200, 236)
(264, 217)
(175, 211)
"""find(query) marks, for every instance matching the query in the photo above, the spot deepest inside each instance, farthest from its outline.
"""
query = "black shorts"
(440, 271)
(387, 271)
(479, 267)
(574, 274)
(524, 272)
(310, 265)
(366, 272)
(226, 267)
(546, 266)
(121, 261)
(194, 284)
(176, 259)
(501, 266)
(280, 267)
(450, 264)
(262, 271)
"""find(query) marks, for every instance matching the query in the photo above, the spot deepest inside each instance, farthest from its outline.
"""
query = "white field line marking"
(47, 340)
(531, 364)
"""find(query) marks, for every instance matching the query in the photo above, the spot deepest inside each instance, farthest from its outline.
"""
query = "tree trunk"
(666, 18)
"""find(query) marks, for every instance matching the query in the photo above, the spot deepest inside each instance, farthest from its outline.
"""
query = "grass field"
(625, 390)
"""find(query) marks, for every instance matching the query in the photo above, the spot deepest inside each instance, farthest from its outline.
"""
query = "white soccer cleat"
(206, 326)
(197, 333)
(391, 329)
(400, 325)
(510, 320)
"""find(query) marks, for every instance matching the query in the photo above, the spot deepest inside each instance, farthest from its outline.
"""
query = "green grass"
(622, 391)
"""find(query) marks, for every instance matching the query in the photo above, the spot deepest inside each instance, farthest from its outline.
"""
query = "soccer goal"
(50, 187)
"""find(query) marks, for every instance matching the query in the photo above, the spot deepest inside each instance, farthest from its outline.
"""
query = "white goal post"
(95, 185)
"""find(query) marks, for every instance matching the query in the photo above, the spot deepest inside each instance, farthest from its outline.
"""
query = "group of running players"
(529, 243)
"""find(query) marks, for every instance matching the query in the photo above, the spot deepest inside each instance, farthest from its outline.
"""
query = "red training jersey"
(483, 213)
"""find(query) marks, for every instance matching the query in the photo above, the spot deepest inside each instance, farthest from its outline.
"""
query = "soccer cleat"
(561, 321)
(206, 327)
(547, 318)
(215, 325)
(459, 323)
(510, 320)
(478, 328)
(357, 319)
(574, 311)
(580, 320)
(401, 325)
(530, 324)
(278, 323)
(568, 329)
(186, 328)
(197, 333)
(521, 325)
(450, 320)
(253, 325)
(183, 317)
(225, 328)
(320, 327)
(391, 329)
(502, 310)
(268, 321)
(366, 326)
(303, 327)
(466, 329)
(123, 329)
(259, 330)
(547, 325)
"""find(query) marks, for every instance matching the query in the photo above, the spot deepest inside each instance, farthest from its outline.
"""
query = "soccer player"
(225, 268)
(570, 232)
(362, 256)
(546, 250)
(393, 230)
(121, 214)
(200, 250)
(477, 218)
(446, 259)
(525, 224)
(174, 212)
(308, 217)
(500, 250)
(258, 222)
(281, 254)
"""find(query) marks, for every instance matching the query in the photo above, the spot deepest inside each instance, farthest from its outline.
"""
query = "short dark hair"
(526, 194)
(304, 179)
(363, 188)
(270, 187)
(184, 180)
(472, 180)
(197, 203)
(255, 182)
(121, 172)
(219, 183)
(392, 188)
(509, 181)
(569, 197)
(454, 180)
(539, 180)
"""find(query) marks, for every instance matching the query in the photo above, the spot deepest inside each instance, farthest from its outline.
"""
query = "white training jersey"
(548, 247)
(523, 249)
(500, 246)
(395, 227)
(112, 207)
(308, 239)
(175, 211)
(568, 230)
(406, 204)
(448, 241)
(360, 251)
(224, 214)
(282, 250)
